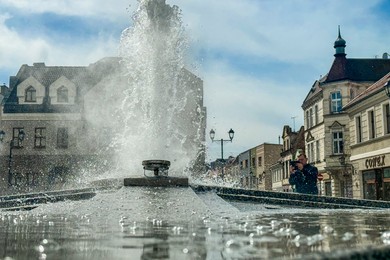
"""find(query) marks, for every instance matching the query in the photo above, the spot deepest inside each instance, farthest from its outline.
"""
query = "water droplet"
(328, 229)
(386, 237)
(347, 236)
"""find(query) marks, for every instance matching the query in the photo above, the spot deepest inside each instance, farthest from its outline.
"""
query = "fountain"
(178, 221)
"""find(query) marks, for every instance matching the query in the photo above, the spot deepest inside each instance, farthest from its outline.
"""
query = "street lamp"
(212, 136)
(343, 163)
(12, 145)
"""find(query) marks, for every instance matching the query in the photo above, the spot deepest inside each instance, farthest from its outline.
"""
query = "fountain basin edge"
(156, 181)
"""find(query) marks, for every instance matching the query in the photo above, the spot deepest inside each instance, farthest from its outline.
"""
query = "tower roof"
(358, 69)
(340, 42)
(339, 46)
(350, 69)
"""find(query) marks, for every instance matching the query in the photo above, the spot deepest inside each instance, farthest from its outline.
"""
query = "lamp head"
(212, 134)
(231, 134)
(342, 160)
(2, 134)
(21, 134)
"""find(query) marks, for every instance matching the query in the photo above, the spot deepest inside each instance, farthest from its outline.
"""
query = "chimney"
(39, 64)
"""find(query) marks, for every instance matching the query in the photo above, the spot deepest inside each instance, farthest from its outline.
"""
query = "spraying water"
(162, 113)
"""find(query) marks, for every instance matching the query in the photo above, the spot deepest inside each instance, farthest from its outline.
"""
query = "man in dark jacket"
(304, 176)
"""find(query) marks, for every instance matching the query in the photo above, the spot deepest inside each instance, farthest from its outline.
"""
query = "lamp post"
(2, 134)
(12, 145)
(343, 163)
(212, 136)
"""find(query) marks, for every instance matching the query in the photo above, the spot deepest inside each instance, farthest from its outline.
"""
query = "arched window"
(62, 95)
(31, 94)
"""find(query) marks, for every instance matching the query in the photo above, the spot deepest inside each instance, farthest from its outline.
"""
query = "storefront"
(376, 182)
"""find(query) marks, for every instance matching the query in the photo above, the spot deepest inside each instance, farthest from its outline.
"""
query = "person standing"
(304, 176)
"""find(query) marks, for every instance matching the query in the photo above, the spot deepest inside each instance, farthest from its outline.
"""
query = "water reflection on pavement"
(246, 233)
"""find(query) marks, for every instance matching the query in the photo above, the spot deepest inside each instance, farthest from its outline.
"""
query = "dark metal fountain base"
(159, 167)
(159, 178)
(157, 181)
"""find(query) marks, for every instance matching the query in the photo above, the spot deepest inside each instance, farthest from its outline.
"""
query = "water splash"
(162, 108)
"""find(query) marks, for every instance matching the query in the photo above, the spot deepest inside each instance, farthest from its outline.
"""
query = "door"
(370, 185)
(386, 184)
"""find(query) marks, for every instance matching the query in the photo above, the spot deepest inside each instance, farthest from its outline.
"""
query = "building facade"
(255, 166)
(246, 176)
(58, 123)
(293, 144)
(369, 127)
(42, 122)
(267, 155)
(327, 131)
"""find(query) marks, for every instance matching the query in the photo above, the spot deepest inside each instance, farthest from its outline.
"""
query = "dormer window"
(62, 95)
(62, 92)
(31, 94)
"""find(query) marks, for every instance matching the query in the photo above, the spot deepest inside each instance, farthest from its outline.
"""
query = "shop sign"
(376, 161)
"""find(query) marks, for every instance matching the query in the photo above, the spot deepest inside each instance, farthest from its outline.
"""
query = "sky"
(258, 58)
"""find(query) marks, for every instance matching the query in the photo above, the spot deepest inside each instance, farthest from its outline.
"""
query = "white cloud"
(113, 9)
(17, 49)
(255, 108)
(292, 31)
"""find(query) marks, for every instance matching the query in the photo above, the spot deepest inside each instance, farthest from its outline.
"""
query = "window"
(310, 152)
(286, 172)
(386, 117)
(309, 118)
(259, 161)
(17, 137)
(371, 124)
(253, 162)
(58, 174)
(31, 94)
(62, 137)
(338, 143)
(358, 123)
(335, 102)
(40, 137)
(62, 95)
(352, 93)
(317, 151)
(316, 116)
(244, 164)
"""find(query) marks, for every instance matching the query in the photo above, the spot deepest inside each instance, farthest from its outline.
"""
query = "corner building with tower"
(346, 121)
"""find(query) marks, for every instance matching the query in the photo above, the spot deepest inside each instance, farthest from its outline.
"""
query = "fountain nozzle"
(157, 166)
(160, 169)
